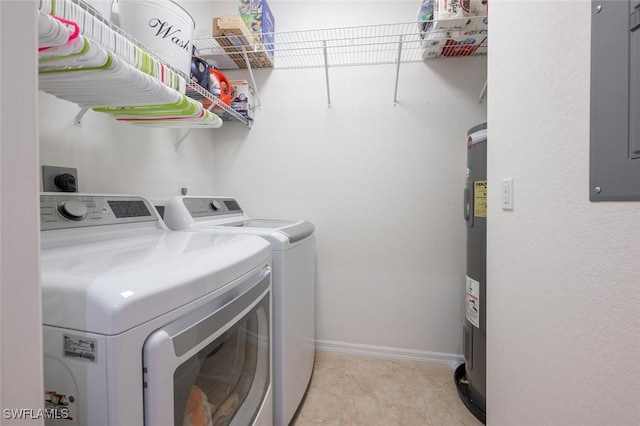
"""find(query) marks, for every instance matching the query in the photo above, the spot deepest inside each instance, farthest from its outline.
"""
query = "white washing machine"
(144, 326)
(293, 252)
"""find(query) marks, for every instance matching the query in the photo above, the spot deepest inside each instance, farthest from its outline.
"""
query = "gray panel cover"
(615, 101)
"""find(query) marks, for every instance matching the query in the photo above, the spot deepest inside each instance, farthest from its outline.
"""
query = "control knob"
(72, 210)
(215, 205)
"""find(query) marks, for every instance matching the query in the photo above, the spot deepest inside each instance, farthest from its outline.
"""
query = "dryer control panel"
(207, 206)
(62, 211)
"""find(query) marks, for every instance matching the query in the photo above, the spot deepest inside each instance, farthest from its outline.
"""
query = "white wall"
(382, 184)
(563, 321)
(21, 383)
(114, 157)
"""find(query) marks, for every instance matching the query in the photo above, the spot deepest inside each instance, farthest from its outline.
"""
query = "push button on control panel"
(72, 210)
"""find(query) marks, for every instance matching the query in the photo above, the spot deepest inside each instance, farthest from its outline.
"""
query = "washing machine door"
(213, 365)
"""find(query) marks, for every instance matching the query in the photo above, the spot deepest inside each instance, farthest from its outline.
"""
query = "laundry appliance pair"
(143, 325)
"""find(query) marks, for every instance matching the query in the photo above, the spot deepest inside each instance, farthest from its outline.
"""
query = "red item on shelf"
(452, 48)
(225, 86)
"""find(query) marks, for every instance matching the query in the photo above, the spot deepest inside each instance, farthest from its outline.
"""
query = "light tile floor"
(354, 390)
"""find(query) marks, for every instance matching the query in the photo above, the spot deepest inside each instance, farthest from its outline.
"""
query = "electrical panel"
(614, 172)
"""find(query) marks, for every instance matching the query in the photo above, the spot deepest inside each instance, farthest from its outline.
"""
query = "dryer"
(293, 252)
(143, 326)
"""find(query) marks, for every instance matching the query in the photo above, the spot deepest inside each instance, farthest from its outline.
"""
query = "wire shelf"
(104, 31)
(361, 45)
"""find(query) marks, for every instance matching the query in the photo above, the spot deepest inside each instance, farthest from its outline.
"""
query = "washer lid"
(108, 287)
(293, 230)
(224, 213)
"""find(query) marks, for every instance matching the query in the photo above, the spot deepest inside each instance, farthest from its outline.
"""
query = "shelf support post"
(250, 70)
(395, 93)
(326, 70)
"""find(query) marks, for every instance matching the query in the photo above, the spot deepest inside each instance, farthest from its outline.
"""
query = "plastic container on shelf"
(220, 85)
(163, 26)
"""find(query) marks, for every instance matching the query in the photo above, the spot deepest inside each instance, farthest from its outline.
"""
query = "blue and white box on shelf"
(258, 17)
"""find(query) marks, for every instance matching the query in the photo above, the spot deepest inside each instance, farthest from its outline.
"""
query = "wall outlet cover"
(59, 179)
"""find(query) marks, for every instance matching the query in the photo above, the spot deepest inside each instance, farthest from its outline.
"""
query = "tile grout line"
(343, 379)
(424, 398)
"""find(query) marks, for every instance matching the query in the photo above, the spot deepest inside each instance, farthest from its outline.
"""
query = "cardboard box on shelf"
(258, 17)
(241, 101)
(236, 31)
(232, 34)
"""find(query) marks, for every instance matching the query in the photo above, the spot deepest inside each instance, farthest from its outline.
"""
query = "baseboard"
(390, 353)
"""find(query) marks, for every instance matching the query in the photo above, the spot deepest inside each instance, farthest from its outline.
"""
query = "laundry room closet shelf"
(353, 46)
(98, 66)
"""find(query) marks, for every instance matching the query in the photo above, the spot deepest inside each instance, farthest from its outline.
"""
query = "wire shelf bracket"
(483, 94)
(326, 70)
(399, 60)
(77, 120)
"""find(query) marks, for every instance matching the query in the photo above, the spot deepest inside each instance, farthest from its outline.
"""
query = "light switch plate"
(507, 194)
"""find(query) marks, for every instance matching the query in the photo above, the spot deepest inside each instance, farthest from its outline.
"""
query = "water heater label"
(473, 301)
(480, 198)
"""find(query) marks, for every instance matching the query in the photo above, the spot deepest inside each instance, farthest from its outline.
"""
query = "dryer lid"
(108, 287)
